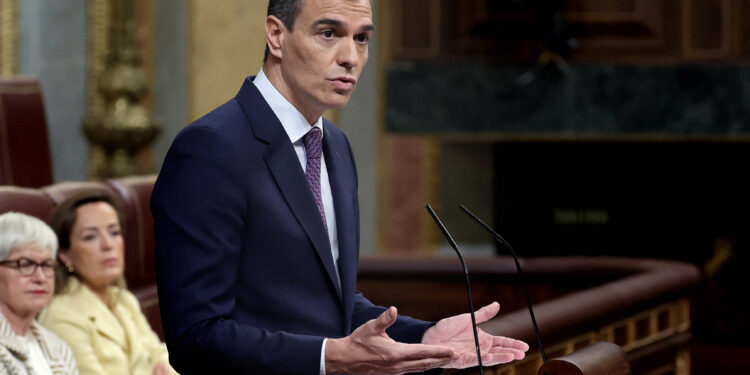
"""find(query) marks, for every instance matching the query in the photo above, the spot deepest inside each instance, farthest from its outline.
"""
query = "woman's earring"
(69, 267)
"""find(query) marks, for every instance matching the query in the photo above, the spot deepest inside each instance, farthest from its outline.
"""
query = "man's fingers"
(385, 320)
(496, 359)
(406, 358)
(486, 313)
(507, 342)
(421, 365)
(517, 354)
(421, 351)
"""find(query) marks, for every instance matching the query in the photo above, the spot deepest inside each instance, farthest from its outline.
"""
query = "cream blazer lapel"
(106, 323)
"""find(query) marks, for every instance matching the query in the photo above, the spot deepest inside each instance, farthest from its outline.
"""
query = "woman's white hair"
(19, 230)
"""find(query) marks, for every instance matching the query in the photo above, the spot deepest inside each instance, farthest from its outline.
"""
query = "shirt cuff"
(323, 357)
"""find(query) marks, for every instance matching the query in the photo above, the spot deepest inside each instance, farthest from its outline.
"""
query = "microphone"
(468, 285)
(507, 246)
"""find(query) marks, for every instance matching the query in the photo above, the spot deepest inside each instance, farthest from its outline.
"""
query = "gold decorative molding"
(8, 37)
(98, 47)
(117, 125)
(98, 27)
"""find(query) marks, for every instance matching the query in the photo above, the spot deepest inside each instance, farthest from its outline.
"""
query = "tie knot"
(313, 144)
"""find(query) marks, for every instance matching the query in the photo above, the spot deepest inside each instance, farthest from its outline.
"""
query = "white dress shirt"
(296, 127)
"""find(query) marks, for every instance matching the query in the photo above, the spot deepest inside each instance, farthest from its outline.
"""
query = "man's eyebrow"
(329, 22)
(337, 23)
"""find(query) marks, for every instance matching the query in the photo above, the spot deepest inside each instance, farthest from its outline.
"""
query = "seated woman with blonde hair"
(27, 281)
(93, 311)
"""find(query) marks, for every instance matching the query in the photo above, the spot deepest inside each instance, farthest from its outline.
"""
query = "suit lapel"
(286, 170)
(343, 188)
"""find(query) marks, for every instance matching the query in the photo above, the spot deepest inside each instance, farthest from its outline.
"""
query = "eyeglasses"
(27, 267)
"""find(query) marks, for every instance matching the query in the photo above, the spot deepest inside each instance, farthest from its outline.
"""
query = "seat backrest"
(24, 144)
(26, 200)
(134, 194)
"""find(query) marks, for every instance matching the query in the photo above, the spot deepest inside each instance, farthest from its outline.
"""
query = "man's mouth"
(344, 83)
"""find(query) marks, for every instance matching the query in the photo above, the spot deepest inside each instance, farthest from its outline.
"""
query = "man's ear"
(275, 33)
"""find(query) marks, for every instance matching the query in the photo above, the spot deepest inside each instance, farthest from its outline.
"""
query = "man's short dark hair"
(285, 10)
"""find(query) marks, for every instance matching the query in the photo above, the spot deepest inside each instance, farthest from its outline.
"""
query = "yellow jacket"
(104, 341)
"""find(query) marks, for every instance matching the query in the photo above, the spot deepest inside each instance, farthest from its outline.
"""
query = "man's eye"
(328, 34)
(363, 38)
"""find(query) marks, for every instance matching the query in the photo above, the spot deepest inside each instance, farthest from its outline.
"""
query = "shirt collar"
(294, 123)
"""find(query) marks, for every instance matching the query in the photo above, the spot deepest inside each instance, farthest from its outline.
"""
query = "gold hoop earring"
(69, 267)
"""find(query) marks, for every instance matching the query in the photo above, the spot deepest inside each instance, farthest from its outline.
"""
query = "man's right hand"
(369, 350)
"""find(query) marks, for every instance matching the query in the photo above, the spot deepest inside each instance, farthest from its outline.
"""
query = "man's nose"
(348, 56)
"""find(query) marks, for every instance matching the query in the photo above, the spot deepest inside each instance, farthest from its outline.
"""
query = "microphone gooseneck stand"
(468, 285)
(507, 246)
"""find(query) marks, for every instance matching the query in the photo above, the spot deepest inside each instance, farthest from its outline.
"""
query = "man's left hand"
(456, 333)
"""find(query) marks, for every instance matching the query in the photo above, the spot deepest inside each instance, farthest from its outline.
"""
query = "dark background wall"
(579, 127)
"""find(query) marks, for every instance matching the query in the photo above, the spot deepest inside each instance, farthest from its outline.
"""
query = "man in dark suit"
(257, 224)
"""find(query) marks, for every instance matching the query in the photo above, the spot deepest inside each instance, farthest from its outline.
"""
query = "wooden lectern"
(602, 358)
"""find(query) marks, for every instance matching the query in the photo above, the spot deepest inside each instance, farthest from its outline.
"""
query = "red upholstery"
(26, 200)
(132, 195)
(24, 144)
(63, 190)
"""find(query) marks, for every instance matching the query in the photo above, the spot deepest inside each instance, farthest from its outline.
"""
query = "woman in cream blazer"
(117, 341)
(92, 310)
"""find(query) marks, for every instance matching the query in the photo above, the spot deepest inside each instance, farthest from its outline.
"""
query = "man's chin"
(339, 100)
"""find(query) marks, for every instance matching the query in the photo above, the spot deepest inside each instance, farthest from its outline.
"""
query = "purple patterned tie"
(314, 149)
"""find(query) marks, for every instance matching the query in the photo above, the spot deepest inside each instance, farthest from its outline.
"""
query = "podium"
(601, 358)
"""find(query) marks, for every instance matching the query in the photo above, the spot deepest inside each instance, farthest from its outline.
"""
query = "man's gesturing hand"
(369, 350)
(456, 333)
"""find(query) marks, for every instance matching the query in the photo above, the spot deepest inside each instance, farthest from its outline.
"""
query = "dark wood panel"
(706, 17)
(416, 25)
(645, 31)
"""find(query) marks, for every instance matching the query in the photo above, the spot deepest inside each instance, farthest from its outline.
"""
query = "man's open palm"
(456, 333)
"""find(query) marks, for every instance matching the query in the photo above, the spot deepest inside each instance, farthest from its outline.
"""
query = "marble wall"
(683, 99)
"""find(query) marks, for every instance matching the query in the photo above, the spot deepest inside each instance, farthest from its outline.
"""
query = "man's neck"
(274, 75)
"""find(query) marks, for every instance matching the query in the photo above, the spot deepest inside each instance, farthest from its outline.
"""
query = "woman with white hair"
(27, 281)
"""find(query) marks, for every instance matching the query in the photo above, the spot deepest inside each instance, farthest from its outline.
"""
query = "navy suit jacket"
(245, 274)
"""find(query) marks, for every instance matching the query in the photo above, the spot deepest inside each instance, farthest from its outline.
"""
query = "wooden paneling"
(416, 28)
(633, 31)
